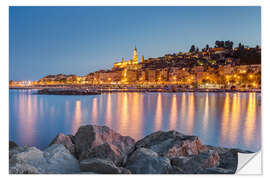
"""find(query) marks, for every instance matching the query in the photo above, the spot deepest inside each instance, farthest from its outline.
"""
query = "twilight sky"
(79, 40)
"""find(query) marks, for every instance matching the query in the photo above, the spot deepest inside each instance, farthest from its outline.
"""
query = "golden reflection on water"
(235, 119)
(123, 111)
(225, 119)
(206, 115)
(94, 117)
(232, 119)
(109, 110)
(136, 113)
(183, 110)
(191, 112)
(250, 124)
(158, 114)
(173, 114)
(77, 117)
(27, 116)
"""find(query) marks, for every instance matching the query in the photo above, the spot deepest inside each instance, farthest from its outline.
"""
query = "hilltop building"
(135, 56)
(132, 64)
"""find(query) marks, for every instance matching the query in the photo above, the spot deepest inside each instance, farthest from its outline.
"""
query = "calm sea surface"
(221, 119)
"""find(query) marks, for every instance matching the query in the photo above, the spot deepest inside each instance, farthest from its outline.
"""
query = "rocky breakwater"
(100, 150)
(66, 91)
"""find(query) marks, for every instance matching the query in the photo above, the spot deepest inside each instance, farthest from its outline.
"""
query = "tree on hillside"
(219, 44)
(207, 47)
(228, 44)
(192, 48)
(240, 47)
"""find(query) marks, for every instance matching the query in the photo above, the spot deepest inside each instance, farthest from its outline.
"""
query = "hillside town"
(219, 67)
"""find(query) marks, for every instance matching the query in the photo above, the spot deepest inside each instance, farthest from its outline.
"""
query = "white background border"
(4, 40)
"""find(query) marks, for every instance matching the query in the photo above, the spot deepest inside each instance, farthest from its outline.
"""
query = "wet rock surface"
(66, 141)
(56, 159)
(12, 145)
(101, 166)
(172, 143)
(101, 141)
(146, 161)
(100, 150)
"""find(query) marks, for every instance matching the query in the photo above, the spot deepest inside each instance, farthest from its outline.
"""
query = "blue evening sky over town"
(79, 40)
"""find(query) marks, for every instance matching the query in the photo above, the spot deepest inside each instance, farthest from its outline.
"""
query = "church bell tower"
(135, 55)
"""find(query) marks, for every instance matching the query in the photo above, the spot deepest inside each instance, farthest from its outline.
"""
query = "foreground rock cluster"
(100, 150)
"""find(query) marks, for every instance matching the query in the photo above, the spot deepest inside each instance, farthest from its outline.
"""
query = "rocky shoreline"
(101, 150)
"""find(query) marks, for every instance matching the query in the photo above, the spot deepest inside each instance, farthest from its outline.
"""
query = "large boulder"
(104, 151)
(26, 160)
(54, 160)
(22, 168)
(188, 154)
(216, 170)
(60, 160)
(172, 144)
(100, 166)
(196, 163)
(146, 161)
(96, 141)
(65, 140)
(12, 145)
(228, 159)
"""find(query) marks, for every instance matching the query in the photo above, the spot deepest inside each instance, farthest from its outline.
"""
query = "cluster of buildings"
(214, 68)
(20, 83)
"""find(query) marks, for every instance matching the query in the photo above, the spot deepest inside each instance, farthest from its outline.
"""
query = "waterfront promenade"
(131, 88)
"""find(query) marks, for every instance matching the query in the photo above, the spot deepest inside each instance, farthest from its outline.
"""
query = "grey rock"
(26, 160)
(12, 145)
(100, 166)
(228, 157)
(54, 160)
(176, 170)
(60, 160)
(180, 161)
(104, 151)
(171, 144)
(91, 136)
(215, 171)
(124, 170)
(22, 168)
(65, 140)
(146, 161)
(189, 166)
(196, 163)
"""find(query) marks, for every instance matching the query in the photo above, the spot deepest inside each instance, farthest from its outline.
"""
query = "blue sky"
(79, 40)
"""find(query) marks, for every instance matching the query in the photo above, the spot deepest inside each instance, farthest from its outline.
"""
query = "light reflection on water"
(223, 119)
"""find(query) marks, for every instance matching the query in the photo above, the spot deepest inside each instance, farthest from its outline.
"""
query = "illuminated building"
(132, 64)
